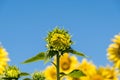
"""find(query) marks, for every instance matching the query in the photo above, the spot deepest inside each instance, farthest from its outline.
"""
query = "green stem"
(58, 70)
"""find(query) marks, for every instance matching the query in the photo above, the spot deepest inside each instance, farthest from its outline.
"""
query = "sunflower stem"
(58, 70)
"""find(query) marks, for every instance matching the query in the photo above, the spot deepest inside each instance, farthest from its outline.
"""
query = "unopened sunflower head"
(3, 59)
(113, 51)
(38, 76)
(12, 72)
(58, 39)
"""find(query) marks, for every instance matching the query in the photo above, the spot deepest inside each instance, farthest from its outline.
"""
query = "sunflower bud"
(38, 76)
(58, 39)
(12, 72)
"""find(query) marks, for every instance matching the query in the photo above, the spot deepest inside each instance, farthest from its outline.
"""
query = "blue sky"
(24, 25)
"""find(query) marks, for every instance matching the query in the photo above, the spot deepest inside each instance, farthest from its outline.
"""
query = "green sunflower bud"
(38, 76)
(58, 39)
(12, 72)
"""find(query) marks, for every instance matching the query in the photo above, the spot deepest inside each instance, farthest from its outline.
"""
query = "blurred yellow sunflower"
(3, 59)
(87, 68)
(67, 63)
(108, 73)
(113, 51)
(81, 78)
(96, 77)
(50, 73)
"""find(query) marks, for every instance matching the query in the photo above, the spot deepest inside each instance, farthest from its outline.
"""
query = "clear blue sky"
(24, 25)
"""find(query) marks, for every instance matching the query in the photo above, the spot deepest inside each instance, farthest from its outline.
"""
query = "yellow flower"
(113, 51)
(3, 59)
(67, 63)
(96, 77)
(58, 39)
(108, 73)
(81, 78)
(87, 68)
(50, 73)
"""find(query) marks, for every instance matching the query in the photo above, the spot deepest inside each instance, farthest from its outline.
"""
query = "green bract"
(12, 72)
(58, 40)
(38, 76)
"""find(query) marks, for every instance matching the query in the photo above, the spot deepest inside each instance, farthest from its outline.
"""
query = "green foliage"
(38, 76)
(58, 42)
(70, 50)
(77, 53)
(49, 55)
(24, 74)
(40, 56)
(76, 74)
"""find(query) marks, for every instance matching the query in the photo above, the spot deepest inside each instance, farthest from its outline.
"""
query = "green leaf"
(62, 74)
(70, 50)
(78, 53)
(76, 74)
(39, 56)
(24, 74)
(49, 55)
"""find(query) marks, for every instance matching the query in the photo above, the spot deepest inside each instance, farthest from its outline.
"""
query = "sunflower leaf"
(76, 74)
(78, 53)
(24, 74)
(39, 56)
(49, 55)
(70, 50)
(62, 74)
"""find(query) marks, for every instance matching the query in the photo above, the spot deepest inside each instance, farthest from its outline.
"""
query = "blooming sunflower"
(50, 73)
(108, 73)
(96, 77)
(113, 51)
(58, 39)
(3, 59)
(67, 63)
(87, 67)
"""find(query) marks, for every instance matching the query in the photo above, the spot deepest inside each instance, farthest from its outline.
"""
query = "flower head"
(50, 73)
(113, 51)
(96, 77)
(3, 59)
(58, 39)
(67, 63)
(38, 76)
(87, 67)
(108, 73)
(12, 72)
(81, 78)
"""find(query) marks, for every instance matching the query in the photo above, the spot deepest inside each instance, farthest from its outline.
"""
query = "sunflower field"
(64, 62)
